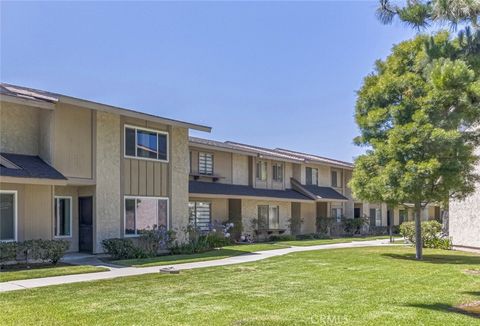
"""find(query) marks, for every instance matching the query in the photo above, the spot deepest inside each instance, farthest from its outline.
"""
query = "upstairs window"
(146, 144)
(261, 170)
(334, 179)
(205, 163)
(277, 172)
(311, 176)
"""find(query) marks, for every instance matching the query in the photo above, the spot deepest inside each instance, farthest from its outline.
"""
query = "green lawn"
(47, 271)
(225, 252)
(315, 242)
(357, 286)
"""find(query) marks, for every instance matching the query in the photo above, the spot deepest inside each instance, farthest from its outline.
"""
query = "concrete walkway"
(116, 271)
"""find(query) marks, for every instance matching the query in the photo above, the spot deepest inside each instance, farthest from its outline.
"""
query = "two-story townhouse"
(259, 184)
(84, 171)
(230, 180)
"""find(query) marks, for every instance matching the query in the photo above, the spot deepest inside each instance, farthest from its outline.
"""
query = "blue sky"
(274, 74)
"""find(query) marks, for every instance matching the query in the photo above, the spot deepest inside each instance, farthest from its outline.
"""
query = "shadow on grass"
(439, 259)
(447, 308)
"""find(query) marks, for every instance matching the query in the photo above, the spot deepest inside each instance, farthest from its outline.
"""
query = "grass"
(224, 252)
(47, 271)
(356, 286)
(315, 242)
(233, 250)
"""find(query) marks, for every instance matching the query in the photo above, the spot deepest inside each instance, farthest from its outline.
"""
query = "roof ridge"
(283, 150)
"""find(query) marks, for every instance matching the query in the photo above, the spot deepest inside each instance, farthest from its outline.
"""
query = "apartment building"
(83, 171)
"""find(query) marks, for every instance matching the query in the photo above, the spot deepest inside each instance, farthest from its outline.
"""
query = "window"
(205, 163)
(311, 176)
(63, 216)
(277, 172)
(143, 213)
(262, 170)
(268, 217)
(8, 215)
(146, 144)
(402, 214)
(337, 214)
(200, 214)
(334, 179)
(376, 215)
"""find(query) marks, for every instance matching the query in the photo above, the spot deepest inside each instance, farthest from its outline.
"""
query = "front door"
(85, 218)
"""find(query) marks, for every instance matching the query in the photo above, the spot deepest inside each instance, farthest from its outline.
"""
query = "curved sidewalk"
(131, 271)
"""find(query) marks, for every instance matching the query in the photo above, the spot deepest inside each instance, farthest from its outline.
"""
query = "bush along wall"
(32, 251)
(432, 236)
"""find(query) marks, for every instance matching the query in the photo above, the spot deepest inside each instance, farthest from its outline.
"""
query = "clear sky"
(274, 74)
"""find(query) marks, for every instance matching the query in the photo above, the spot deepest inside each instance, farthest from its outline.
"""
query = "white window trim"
(149, 130)
(213, 163)
(195, 204)
(276, 166)
(56, 217)
(262, 162)
(136, 235)
(15, 219)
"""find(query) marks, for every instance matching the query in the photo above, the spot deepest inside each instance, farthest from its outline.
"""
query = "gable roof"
(277, 153)
(39, 96)
(315, 158)
(28, 166)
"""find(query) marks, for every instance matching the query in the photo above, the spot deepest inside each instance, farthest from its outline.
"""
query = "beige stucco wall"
(179, 171)
(308, 213)
(107, 223)
(240, 169)
(250, 211)
(464, 218)
(73, 141)
(46, 135)
(19, 128)
(34, 210)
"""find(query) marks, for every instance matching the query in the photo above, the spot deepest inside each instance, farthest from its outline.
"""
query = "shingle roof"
(315, 158)
(324, 192)
(219, 144)
(29, 167)
(282, 154)
(266, 151)
(214, 188)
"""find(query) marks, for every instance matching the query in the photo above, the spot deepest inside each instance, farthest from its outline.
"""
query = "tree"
(416, 114)
(421, 14)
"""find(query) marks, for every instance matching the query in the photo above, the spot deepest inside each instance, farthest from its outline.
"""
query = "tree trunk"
(418, 231)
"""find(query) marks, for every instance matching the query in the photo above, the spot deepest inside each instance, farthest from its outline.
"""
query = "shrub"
(45, 250)
(159, 238)
(325, 224)
(124, 248)
(51, 250)
(8, 251)
(282, 237)
(352, 226)
(295, 225)
(431, 234)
